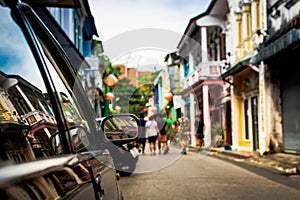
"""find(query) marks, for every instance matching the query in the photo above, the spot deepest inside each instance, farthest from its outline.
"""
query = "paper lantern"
(168, 96)
(111, 80)
(118, 108)
(109, 96)
(153, 109)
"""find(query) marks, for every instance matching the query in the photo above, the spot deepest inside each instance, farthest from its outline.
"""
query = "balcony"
(205, 71)
(37, 116)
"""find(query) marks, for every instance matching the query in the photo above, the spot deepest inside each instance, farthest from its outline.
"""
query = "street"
(199, 176)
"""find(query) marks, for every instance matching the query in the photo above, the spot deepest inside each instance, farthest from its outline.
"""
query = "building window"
(56, 13)
(77, 32)
(186, 68)
(258, 16)
(240, 33)
(248, 25)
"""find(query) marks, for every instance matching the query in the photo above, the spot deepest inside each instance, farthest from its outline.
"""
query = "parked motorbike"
(125, 158)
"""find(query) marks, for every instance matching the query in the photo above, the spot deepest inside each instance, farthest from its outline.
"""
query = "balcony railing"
(37, 116)
(204, 71)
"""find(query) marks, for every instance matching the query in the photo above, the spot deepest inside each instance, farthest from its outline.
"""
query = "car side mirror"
(78, 138)
(120, 128)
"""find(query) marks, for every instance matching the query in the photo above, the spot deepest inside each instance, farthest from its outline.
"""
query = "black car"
(51, 146)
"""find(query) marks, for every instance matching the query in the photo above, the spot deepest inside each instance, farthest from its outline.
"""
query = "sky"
(140, 32)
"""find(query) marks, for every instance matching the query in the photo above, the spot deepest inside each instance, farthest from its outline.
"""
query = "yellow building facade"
(244, 20)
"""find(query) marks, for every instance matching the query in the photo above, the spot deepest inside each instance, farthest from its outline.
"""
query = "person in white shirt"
(153, 133)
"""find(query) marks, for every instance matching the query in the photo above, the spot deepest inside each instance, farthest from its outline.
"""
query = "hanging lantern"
(153, 109)
(168, 96)
(118, 109)
(111, 80)
(109, 96)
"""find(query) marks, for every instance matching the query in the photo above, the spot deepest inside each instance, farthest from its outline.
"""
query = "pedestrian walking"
(184, 124)
(142, 139)
(153, 133)
(199, 127)
(169, 130)
(163, 138)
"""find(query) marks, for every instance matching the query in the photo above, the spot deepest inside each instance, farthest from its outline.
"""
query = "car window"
(26, 109)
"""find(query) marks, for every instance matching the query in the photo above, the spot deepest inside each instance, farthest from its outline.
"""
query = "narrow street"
(199, 176)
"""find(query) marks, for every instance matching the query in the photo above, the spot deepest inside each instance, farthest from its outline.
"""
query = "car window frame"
(43, 43)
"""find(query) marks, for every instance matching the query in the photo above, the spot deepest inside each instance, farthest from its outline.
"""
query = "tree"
(123, 92)
(140, 98)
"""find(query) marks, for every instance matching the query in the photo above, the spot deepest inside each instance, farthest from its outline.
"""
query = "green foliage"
(123, 92)
(147, 78)
(108, 69)
(130, 98)
(216, 129)
(140, 98)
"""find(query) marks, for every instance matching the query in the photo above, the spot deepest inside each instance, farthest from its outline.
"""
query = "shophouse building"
(277, 60)
(244, 20)
(202, 53)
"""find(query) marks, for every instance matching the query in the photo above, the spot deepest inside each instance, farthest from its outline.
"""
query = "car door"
(67, 177)
(41, 94)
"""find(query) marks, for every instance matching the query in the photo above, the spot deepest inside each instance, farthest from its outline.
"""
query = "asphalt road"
(199, 176)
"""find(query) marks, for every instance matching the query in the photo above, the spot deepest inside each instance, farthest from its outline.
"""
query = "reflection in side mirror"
(120, 127)
(78, 136)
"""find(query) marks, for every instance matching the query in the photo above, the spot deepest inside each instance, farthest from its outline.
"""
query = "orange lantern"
(168, 96)
(153, 109)
(109, 96)
(111, 80)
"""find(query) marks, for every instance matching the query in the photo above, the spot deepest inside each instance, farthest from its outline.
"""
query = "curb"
(257, 161)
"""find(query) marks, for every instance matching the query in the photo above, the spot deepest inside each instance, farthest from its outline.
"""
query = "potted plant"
(217, 134)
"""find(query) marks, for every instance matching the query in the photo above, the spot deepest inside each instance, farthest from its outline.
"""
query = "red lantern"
(168, 96)
(111, 80)
(109, 96)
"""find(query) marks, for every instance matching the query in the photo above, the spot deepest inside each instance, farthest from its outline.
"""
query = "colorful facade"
(201, 50)
(244, 20)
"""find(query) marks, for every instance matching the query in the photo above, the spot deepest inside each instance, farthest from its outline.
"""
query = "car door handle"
(99, 192)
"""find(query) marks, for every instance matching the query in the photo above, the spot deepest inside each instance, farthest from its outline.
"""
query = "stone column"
(204, 54)
(192, 118)
(206, 116)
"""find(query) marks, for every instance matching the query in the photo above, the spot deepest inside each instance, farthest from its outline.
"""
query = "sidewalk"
(284, 163)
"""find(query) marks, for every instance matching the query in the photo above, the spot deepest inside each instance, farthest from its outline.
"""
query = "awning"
(89, 28)
(278, 45)
(240, 66)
